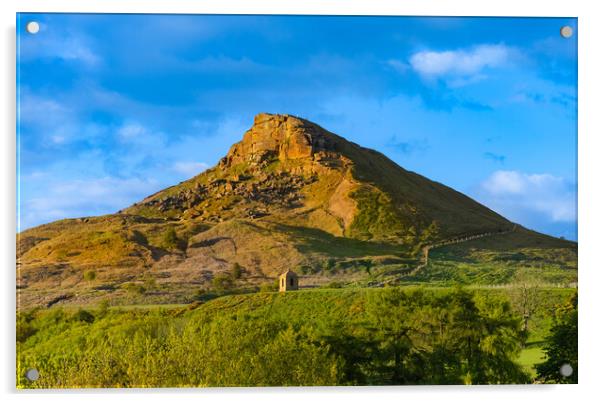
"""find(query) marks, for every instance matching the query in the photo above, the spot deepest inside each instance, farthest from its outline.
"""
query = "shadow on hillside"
(316, 240)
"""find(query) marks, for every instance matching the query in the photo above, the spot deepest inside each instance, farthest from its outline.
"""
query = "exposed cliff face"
(285, 168)
(282, 136)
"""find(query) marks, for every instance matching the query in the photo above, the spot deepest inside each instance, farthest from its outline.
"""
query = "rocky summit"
(283, 137)
(289, 195)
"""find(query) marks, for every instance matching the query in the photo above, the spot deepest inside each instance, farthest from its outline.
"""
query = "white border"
(590, 200)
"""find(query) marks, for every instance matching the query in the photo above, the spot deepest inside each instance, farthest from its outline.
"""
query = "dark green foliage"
(430, 233)
(451, 339)
(377, 217)
(329, 265)
(222, 282)
(236, 271)
(306, 270)
(90, 275)
(359, 264)
(134, 288)
(25, 328)
(133, 349)
(83, 316)
(561, 346)
(138, 237)
(170, 238)
(325, 337)
(171, 241)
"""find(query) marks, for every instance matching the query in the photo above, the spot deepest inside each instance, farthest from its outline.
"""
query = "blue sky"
(115, 107)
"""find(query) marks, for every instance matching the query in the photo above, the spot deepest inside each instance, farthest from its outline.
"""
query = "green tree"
(236, 271)
(524, 295)
(423, 338)
(171, 241)
(561, 346)
(222, 282)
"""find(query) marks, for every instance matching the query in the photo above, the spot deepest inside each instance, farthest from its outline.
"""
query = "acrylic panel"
(261, 200)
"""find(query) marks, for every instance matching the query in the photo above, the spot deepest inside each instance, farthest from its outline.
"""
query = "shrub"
(170, 238)
(138, 237)
(561, 346)
(171, 241)
(103, 306)
(329, 264)
(222, 282)
(90, 275)
(269, 287)
(24, 327)
(83, 316)
(150, 283)
(135, 288)
(236, 271)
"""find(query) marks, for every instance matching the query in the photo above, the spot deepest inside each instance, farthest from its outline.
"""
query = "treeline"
(394, 337)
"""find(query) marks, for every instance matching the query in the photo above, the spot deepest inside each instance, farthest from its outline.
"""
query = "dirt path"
(424, 259)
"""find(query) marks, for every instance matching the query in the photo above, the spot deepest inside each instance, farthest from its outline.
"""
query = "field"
(309, 337)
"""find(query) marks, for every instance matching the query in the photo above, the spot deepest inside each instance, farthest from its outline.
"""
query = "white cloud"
(55, 121)
(92, 182)
(58, 139)
(52, 43)
(516, 194)
(190, 168)
(134, 133)
(460, 63)
(131, 130)
(78, 197)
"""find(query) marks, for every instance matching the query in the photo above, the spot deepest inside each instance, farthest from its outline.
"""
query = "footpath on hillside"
(424, 258)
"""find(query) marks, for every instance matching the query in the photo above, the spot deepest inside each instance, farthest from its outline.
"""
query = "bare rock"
(282, 136)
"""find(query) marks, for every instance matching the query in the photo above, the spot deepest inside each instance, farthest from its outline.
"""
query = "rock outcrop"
(280, 136)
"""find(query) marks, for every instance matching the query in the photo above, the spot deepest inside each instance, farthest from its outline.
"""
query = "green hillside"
(289, 195)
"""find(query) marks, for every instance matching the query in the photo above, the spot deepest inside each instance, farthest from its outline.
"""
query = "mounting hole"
(32, 27)
(32, 374)
(566, 370)
(566, 31)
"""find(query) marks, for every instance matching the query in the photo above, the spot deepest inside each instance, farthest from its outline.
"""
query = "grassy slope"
(499, 260)
(397, 211)
(426, 200)
(318, 309)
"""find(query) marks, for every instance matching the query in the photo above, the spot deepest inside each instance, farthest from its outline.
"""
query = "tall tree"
(561, 349)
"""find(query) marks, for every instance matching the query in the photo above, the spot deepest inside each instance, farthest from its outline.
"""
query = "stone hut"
(288, 281)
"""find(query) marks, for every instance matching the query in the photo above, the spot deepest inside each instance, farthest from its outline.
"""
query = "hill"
(290, 194)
